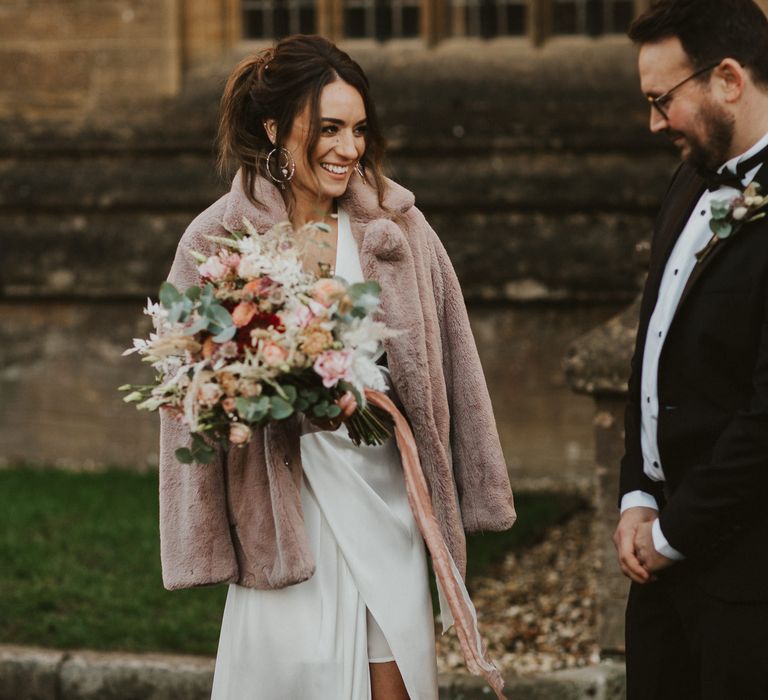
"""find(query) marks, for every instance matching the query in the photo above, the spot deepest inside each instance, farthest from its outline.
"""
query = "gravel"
(537, 609)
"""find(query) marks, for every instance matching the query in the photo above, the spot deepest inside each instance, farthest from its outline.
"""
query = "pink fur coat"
(239, 520)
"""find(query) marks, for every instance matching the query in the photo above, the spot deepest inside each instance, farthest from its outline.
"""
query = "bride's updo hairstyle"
(276, 84)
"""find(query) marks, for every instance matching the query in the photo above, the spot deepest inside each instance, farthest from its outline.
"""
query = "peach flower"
(273, 354)
(243, 313)
(239, 433)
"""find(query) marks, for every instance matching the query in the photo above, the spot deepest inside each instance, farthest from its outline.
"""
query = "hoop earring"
(286, 166)
(360, 170)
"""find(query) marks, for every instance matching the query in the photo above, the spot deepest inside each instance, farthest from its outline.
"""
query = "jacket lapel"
(699, 269)
(671, 226)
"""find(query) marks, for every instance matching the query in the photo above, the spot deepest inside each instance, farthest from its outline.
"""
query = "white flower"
(366, 373)
(740, 212)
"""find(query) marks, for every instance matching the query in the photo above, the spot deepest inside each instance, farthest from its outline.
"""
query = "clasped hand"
(633, 539)
(348, 405)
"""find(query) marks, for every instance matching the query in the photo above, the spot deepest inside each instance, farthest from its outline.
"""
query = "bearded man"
(693, 531)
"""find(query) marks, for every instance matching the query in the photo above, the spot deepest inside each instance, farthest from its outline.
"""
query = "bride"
(328, 588)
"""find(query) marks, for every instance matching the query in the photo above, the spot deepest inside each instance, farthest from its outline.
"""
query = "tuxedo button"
(656, 464)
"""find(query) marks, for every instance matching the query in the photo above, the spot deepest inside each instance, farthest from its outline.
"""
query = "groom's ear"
(729, 80)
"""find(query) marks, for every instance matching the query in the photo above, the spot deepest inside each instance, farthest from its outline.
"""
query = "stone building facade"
(529, 154)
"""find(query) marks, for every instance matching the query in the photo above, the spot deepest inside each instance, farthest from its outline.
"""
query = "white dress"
(314, 640)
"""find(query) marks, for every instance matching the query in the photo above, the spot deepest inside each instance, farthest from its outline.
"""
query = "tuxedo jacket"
(713, 403)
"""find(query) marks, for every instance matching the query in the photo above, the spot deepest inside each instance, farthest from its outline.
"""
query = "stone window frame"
(441, 19)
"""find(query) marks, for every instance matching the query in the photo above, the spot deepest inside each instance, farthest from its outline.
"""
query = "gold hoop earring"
(286, 166)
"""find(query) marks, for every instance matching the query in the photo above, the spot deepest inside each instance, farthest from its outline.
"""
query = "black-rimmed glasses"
(661, 103)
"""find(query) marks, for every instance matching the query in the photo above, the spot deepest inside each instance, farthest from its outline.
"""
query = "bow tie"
(715, 180)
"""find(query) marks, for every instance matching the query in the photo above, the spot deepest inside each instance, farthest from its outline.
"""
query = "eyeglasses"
(661, 103)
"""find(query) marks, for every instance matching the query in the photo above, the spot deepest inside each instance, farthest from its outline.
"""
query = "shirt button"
(659, 334)
(703, 212)
(648, 399)
(656, 464)
(676, 271)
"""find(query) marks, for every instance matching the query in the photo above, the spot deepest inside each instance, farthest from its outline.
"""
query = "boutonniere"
(730, 215)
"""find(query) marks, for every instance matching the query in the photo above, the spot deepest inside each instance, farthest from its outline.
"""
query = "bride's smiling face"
(325, 174)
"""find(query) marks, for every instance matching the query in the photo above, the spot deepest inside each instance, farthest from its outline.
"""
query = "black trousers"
(683, 644)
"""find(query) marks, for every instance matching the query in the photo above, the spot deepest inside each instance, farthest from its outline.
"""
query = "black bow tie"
(715, 180)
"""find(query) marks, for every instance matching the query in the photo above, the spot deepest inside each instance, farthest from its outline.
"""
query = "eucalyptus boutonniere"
(729, 216)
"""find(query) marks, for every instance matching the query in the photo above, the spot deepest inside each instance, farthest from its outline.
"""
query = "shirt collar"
(733, 162)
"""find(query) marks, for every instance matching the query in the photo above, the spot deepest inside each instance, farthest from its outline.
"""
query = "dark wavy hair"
(277, 84)
(709, 31)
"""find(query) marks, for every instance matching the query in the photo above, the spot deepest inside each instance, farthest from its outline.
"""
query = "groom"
(693, 532)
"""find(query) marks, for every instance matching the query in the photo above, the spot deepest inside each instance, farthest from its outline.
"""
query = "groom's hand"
(624, 540)
(646, 552)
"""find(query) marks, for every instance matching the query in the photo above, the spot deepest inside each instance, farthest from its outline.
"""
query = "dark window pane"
(565, 18)
(354, 22)
(307, 20)
(383, 20)
(282, 26)
(253, 24)
(623, 14)
(411, 21)
(489, 19)
(515, 16)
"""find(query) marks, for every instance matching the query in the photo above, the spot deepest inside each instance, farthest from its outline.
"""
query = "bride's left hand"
(348, 405)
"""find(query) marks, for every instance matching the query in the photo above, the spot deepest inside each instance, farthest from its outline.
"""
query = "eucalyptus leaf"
(184, 455)
(333, 411)
(253, 409)
(221, 316)
(279, 408)
(223, 335)
(192, 293)
(199, 325)
(722, 229)
(169, 295)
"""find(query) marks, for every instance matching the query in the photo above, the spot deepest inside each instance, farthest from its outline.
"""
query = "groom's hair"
(709, 30)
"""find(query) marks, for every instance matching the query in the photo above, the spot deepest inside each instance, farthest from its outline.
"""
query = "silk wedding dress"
(369, 598)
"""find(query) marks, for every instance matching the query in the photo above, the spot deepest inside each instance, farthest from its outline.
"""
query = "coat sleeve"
(480, 470)
(196, 547)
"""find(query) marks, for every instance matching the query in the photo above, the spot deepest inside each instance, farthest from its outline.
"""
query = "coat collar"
(360, 202)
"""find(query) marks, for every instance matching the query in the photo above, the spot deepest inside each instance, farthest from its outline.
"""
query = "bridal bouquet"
(259, 340)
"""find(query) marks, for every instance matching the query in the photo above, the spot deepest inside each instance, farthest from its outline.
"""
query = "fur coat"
(239, 520)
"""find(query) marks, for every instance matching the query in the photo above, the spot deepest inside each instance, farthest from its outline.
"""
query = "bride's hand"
(348, 405)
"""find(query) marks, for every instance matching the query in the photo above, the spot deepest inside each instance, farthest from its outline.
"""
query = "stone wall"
(535, 167)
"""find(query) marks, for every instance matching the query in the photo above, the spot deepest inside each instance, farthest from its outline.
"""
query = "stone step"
(28, 673)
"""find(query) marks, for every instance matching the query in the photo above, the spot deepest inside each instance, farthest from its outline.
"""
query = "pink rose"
(327, 290)
(239, 433)
(333, 366)
(213, 268)
(231, 260)
(273, 355)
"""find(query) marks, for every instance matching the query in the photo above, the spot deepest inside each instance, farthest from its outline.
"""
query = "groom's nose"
(657, 122)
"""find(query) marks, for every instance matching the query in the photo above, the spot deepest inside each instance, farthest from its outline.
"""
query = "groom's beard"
(712, 150)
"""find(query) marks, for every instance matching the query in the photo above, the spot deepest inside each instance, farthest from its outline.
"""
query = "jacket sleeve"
(718, 500)
(632, 477)
(196, 547)
(480, 470)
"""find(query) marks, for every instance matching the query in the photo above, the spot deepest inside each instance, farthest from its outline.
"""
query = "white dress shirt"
(680, 264)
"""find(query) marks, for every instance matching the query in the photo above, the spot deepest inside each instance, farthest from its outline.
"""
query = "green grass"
(79, 563)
